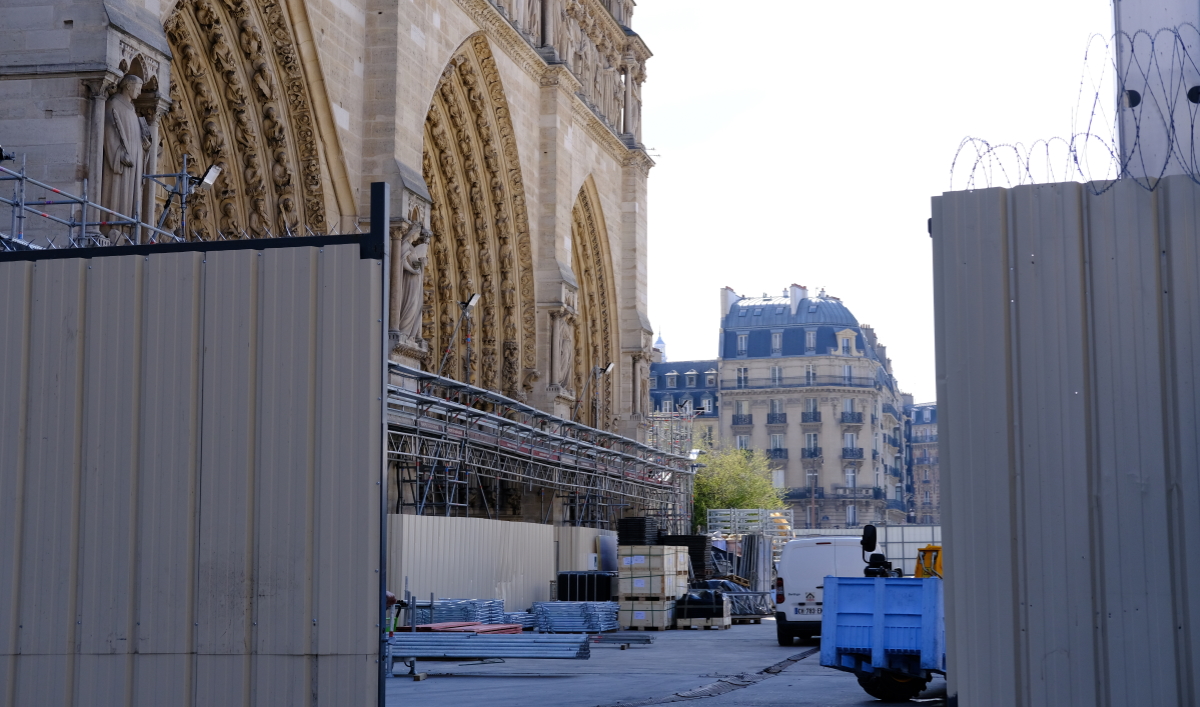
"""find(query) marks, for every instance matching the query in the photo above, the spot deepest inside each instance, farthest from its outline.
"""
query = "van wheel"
(890, 687)
(784, 637)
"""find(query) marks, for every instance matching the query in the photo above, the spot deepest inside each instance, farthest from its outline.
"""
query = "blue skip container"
(877, 625)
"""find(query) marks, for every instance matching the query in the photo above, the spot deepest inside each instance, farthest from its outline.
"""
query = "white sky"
(801, 142)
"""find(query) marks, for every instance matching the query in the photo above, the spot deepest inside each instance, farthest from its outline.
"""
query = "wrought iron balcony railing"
(852, 453)
(807, 492)
(852, 418)
(776, 418)
(743, 419)
(801, 382)
(868, 492)
(777, 453)
(810, 453)
(891, 410)
(810, 417)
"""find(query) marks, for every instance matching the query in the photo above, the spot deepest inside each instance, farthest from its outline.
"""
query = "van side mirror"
(868, 539)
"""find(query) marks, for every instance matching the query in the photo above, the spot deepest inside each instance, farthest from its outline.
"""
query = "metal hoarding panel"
(1068, 392)
(189, 449)
(471, 558)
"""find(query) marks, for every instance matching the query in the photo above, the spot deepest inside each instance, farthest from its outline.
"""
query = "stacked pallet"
(699, 550)
(639, 530)
(650, 578)
(575, 616)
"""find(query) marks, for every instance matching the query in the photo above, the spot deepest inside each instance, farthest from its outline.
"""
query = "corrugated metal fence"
(477, 558)
(1068, 346)
(190, 445)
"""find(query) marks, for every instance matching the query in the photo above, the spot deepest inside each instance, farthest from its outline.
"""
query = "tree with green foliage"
(733, 478)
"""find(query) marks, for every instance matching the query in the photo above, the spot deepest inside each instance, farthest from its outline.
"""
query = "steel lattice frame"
(435, 423)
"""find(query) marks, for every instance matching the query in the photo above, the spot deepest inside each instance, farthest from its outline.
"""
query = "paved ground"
(678, 661)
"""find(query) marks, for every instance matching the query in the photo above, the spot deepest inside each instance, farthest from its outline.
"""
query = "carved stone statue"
(126, 141)
(566, 354)
(409, 281)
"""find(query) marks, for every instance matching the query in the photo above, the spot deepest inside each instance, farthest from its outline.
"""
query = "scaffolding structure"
(458, 450)
(671, 431)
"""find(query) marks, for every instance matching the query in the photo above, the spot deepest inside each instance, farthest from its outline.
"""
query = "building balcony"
(858, 492)
(893, 441)
(777, 453)
(852, 453)
(924, 439)
(743, 419)
(742, 353)
(925, 460)
(852, 418)
(895, 505)
(806, 493)
(874, 453)
(801, 382)
(810, 453)
(889, 409)
(810, 417)
(776, 418)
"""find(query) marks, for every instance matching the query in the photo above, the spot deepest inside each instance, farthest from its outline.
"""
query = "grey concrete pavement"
(678, 661)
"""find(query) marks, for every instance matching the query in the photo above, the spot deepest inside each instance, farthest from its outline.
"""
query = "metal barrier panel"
(190, 450)
(1068, 326)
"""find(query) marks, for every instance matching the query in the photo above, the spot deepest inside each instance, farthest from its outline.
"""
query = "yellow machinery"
(929, 562)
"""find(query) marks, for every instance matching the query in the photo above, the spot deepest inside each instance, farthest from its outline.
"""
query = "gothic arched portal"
(595, 321)
(240, 100)
(480, 242)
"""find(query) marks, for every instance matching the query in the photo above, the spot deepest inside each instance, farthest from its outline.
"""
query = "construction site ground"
(743, 665)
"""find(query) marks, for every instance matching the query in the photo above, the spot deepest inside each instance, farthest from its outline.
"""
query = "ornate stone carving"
(126, 140)
(409, 257)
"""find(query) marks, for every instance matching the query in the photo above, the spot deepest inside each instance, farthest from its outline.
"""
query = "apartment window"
(927, 497)
(928, 415)
(810, 404)
(776, 405)
(668, 405)
(706, 404)
(777, 342)
(849, 440)
(851, 477)
(927, 476)
(811, 475)
(776, 441)
(653, 382)
(810, 374)
(743, 441)
(776, 376)
(847, 404)
(710, 380)
(743, 344)
(851, 516)
(810, 341)
(777, 479)
(672, 380)
(691, 381)
(899, 492)
(742, 407)
(845, 346)
(878, 481)
(810, 440)
(686, 406)
(848, 374)
(743, 377)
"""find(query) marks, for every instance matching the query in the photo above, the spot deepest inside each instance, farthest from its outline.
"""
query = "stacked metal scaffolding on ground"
(451, 442)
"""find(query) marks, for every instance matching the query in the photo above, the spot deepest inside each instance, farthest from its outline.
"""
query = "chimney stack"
(796, 293)
(728, 299)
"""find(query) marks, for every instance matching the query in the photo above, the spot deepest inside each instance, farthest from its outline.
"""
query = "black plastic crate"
(587, 586)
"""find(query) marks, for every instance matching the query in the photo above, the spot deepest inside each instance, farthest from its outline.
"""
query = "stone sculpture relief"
(408, 280)
(126, 142)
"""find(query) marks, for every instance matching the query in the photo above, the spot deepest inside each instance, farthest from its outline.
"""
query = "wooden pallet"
(648, 628)
(718, 624)
(747, 619)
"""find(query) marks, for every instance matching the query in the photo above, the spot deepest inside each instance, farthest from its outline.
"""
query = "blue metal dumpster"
(889, 631)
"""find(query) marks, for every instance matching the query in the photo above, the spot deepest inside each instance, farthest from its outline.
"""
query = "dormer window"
(741, 312)
(743, 344)
(810, 342)
(653, 382)
(710, 379)
(672, 379)
(691, 380)
(845, 347)
(758, 311)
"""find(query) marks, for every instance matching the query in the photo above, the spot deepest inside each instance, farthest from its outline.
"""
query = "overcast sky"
(799, 141)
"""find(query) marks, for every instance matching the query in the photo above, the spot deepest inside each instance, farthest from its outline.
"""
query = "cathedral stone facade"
(509, 131)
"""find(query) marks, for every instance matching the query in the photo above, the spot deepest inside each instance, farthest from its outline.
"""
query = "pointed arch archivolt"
(480, 227)
(596, 318)
(240, 100)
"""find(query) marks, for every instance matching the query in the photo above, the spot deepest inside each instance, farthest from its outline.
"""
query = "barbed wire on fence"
(1152, 81)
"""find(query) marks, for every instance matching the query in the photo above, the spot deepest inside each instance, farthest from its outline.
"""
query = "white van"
(803, 566)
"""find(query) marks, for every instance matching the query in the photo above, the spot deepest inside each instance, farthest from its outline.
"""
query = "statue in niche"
(566, 354)
(126, 143)
(409, 269)
(533, 20)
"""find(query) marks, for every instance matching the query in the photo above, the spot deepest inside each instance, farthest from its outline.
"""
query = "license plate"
(806, 610)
